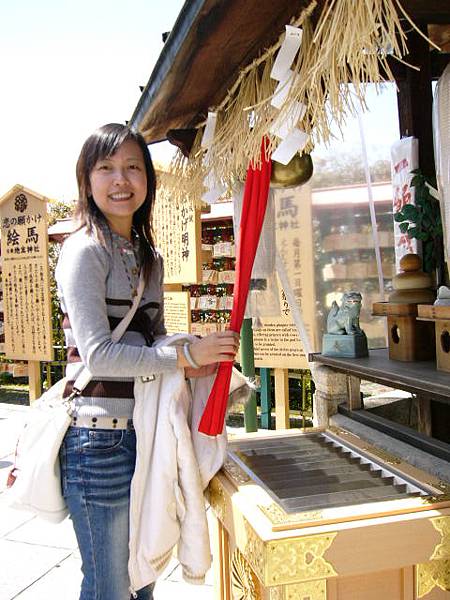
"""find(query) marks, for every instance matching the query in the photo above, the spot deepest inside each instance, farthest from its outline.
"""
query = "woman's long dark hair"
(103, 143)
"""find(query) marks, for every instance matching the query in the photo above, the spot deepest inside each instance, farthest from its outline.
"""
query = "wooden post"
(415, 100)
(248, 369)
(266, 398)
(303, 380)
(424, 415)
(173, 287)
(221, 561)
(354, 392)
(281, 398)
(34, 379)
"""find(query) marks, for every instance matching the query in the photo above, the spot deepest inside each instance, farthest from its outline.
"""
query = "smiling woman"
(119, 185)
(98, 276)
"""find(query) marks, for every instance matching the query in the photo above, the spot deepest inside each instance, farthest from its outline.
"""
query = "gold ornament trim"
(244, 583)
(389, 459)
(254, 550)
(276, 593)
(236, 473)
(310, 590)
(444, 497)
(338, 430)
(217, 499)
(436, 573)
(442, 550)
(278, 516)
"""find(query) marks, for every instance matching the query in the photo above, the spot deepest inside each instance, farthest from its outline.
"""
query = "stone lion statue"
(344, 319)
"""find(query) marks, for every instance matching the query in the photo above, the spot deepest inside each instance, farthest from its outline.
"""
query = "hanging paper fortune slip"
(253, 210)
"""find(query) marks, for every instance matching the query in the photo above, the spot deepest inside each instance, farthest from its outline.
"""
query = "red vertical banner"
(254, 204)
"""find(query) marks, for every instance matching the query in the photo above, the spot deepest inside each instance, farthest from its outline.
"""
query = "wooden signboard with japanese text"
(2, 321)
(178, 237)
(25, 274)
(177, 312)
(277, 344)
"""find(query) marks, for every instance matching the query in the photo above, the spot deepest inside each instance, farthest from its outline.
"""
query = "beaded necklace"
(126, 247)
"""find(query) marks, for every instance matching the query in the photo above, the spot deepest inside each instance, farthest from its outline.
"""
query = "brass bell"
(298, 171)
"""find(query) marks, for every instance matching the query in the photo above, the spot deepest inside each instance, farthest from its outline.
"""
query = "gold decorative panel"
(289, 560)
(254, 550)
(309, 590)
(436, 573)
(442, 550)
(276, 593)
(433, 574)
(299, 559)
(244, 583)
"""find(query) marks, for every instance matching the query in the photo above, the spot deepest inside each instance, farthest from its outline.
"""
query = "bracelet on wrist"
(188, 356)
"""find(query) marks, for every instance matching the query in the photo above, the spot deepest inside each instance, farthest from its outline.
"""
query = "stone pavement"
(39, 560)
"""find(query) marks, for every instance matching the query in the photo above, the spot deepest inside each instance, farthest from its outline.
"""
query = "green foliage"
(57, 209)
(6, 377)
(422, 221)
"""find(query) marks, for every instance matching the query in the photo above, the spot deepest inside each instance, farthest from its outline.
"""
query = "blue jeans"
(96, 471)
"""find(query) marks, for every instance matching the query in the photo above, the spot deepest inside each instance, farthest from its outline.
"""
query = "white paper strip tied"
(283, 88)
(294, 142)
(293, 139)
(287, 121)
(210, 129)
(213, 194)
(214, 189)
(287, 52)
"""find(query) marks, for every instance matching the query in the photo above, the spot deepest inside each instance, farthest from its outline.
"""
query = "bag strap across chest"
(85, 375)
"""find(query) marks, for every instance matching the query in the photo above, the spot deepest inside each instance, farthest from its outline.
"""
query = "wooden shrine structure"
(358, 508)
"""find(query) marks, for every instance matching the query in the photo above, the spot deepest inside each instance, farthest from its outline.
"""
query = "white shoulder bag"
(34, 483)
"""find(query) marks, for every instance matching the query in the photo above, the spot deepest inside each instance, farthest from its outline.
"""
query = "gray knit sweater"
(96, 284)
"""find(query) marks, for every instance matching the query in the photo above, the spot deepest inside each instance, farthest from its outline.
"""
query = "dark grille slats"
(312, 472)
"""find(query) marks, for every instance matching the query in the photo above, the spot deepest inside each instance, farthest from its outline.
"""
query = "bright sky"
(380, 126)
(69, 66)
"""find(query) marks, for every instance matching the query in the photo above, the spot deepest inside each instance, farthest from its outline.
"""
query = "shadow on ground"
(14, 394)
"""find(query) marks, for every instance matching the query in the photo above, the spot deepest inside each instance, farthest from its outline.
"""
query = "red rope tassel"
(253, 210)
